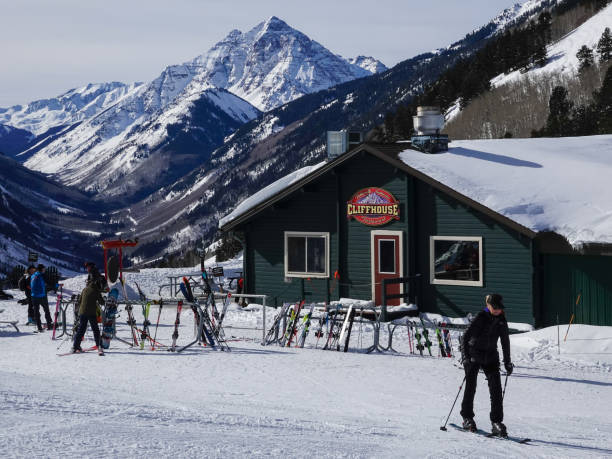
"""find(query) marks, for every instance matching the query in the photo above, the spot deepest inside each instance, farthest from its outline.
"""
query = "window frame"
(380, 271)
(306, 234)
(464, 283)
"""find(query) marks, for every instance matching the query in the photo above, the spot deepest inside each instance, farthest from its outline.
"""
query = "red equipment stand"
(117, 244)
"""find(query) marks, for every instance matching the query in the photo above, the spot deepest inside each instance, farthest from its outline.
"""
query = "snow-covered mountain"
(71, 107)
(562, 54)
(273, 64)
(112, 152)
(368, 63)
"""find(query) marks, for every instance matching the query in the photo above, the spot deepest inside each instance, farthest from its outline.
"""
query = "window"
(306, 254)
(456, 260)
(386, 256)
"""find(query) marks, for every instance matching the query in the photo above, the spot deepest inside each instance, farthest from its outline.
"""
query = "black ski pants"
(83, 320)
(495, 390)
(37, 302)
(31, 313)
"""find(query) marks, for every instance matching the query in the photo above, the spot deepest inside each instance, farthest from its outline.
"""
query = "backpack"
(22, 283)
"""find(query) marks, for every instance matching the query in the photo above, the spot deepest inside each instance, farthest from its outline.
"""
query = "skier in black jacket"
(479, 350)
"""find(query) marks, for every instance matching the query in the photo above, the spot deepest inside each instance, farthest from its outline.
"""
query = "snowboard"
(110, 311)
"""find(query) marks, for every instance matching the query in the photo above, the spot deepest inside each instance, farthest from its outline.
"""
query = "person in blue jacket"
(39, 297)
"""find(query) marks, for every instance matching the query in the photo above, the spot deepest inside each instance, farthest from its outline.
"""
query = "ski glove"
(509, 366)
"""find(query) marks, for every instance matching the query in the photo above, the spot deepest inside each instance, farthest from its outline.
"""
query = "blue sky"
(48, 47)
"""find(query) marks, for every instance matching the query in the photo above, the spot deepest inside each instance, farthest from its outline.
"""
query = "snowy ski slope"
(276, 402)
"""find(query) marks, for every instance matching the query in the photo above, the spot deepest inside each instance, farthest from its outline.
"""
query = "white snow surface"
(547, 184)
(258, 401)
(269, 191)
(562, 54)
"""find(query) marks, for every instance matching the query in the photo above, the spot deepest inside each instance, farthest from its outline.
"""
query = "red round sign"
(373, 207)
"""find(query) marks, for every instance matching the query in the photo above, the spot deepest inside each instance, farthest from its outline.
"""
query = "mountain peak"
(275, 24)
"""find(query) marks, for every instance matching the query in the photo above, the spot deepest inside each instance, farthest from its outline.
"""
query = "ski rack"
(203, 316)
(63, 308)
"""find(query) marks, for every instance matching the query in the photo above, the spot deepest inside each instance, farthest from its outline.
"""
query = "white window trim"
(432, 280)
(373, 262)
(305, 274)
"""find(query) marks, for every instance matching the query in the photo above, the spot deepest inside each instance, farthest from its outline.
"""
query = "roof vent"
(339, 142)
(428, 123)
(428, 120)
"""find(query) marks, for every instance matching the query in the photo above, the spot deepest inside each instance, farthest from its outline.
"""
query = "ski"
(426, 336)
(344, 326)
(440, 341)
(57, 306)
(161, 305)
(87, 349)
(348, 332)
(177, 321)
(305, 327)
(417, 337)
(447, 340)
(128, 308)
(144, 333)
(274, 330)
(332, 334)
(292, 329)
(322, 321)
(483, 433)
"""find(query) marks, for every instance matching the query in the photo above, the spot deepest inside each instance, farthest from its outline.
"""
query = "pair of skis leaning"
(208, 332)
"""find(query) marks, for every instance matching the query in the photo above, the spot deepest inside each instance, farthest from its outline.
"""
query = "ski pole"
(505, 384)
(451, 410)
(572, 318)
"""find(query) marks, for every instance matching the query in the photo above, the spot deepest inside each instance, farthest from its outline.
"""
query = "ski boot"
(469, 424)
(498, 429)
(100, 350)
(77, 350)
(31, 322)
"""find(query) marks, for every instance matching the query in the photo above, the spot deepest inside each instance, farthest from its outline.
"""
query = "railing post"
(383, 312)
(263, 338)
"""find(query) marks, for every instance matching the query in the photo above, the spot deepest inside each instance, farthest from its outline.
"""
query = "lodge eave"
(389, 157)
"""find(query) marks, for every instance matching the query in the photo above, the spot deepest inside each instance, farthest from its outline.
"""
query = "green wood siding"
(313, 209)
(564, 277)
(507, 258)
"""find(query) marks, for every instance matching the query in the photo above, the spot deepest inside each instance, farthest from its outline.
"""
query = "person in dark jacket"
(479, 351)
(25, 281)
(39, 297)
(90, 297)
(94, 275)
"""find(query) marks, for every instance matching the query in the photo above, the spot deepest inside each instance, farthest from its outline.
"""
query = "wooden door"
(387, 262)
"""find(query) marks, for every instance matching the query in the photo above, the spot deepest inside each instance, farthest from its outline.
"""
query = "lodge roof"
(529, 185)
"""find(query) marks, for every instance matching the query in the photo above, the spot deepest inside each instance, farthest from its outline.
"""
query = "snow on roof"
(269, 191)
(547, 184)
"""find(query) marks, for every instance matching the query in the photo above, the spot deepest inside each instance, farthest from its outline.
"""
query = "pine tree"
(559, 123)
(604, 46)
(603, 101)
(585, 57)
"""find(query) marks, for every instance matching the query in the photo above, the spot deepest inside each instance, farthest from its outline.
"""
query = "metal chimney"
(428, 120)
(428, 123)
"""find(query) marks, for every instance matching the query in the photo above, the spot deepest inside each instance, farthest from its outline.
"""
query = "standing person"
(24, 285)
(94, 275)
(479, 350)
(90, 297)
(39, 297)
